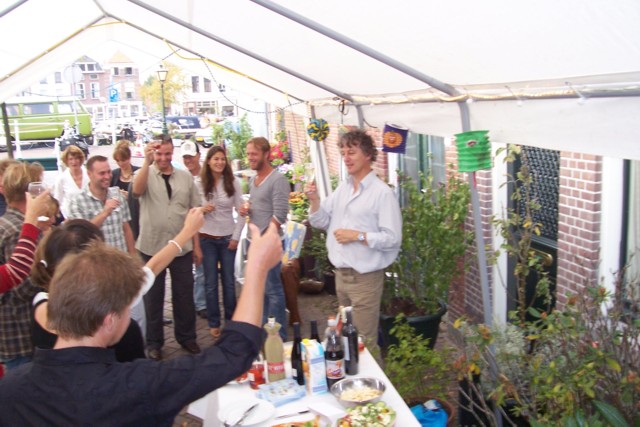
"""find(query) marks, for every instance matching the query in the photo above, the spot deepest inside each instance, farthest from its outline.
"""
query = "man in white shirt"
(364, 230)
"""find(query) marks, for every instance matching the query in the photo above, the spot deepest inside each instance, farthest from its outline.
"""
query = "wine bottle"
(296, 355)
(334, 355)
(350, 345)
(314, 331)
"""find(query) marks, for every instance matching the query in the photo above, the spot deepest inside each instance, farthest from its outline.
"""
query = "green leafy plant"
(553, 367)
(433, 243)
(417, 371)
(316, 247)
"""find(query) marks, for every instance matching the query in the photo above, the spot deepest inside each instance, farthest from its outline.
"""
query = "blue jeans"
(274, 301)
(199, 295)
(216, 252)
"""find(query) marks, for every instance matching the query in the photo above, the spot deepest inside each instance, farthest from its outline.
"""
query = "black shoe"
(167, 321)
(192, 347)
(202, 313)
(155, 354)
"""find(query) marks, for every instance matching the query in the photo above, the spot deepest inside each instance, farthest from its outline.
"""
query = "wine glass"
(246, 203)
(309, 172)
(114, 193)
(35, 189)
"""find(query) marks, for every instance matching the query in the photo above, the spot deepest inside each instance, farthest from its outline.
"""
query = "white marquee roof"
(556, 74)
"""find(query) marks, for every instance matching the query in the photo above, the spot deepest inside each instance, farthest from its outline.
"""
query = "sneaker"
(192, 347)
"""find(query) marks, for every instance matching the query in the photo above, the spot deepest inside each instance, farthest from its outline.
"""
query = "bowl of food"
(358, 391)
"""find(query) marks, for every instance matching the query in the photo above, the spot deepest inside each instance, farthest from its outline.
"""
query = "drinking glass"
(114, 193)
(246, 203)
(309, 172)
(36, 188)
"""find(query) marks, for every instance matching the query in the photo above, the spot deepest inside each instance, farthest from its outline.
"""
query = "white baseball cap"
(189, 148)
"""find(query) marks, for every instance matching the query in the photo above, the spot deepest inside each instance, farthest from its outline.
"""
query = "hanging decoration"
(394, 138)
(474, 150)
(318, 129)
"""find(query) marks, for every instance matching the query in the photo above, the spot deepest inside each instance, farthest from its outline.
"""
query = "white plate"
(233, 412)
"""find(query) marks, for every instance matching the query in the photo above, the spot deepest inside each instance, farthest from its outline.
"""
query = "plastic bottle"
(314, 331)
(296, 355)
(350, 345)
(274, 351)
(334, 355)
(331, 319)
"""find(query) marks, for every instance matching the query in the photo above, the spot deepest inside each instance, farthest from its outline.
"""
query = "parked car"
(184, 126)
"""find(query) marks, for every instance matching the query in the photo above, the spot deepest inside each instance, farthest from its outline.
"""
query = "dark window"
(207, 85)
(128, 71)
(195, 84)
(424, 153)
(116, 71)
(58, 77)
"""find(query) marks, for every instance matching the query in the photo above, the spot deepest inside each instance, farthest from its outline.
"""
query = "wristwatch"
(360, 237)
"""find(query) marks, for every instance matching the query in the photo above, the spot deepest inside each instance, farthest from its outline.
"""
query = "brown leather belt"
(209, 236)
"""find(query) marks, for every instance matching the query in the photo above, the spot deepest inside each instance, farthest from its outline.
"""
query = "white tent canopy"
(559, 75)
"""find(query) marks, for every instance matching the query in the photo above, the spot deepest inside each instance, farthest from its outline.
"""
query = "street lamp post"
(162, 77)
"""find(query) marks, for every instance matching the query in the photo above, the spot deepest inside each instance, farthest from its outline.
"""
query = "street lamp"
(162, 77)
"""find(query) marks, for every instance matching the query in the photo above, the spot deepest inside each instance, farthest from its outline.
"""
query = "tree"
(174, 86)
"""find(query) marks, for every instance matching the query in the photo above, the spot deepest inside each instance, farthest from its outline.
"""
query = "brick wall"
(578, 222)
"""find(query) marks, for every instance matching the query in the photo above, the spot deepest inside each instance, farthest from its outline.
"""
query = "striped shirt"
(19, 265)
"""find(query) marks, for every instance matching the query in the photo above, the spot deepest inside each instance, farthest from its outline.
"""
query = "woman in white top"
(220, 234)
(72, 180)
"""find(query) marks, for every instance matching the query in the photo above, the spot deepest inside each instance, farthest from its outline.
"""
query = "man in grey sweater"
(269, 204)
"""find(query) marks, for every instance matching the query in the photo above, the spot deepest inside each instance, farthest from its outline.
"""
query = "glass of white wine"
(35, 189)
(309, 172)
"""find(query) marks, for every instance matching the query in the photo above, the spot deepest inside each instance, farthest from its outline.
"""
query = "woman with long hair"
(221, 193)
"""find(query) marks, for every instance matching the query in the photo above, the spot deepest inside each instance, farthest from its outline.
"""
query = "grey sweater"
(269, 199)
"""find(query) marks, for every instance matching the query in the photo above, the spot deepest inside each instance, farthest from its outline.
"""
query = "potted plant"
(433, 245)
(419, 372)
(548, 367)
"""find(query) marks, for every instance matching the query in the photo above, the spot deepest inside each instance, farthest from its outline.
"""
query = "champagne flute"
(114, 193)
(246, 203)
(35, 189)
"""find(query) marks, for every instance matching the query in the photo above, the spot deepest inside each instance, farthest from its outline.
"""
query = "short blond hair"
(17, 177)
(72, 151)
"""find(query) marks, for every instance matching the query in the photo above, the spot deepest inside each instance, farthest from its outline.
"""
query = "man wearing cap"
(166, 194)
(191, 159)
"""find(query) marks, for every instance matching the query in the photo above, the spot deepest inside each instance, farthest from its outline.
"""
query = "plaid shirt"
(15, 305)
(86, 206)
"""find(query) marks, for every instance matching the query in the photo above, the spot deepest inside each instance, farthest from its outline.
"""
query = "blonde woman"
(72, 180)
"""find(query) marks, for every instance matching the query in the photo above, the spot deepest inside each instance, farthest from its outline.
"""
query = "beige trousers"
(363, 292)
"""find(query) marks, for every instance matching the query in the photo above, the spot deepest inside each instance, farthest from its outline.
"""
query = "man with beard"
(269, 204)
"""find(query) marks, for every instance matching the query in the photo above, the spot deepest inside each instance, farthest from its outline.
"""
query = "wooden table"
(208, 407)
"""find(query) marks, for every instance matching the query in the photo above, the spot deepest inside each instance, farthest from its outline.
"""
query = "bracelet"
(177, 245)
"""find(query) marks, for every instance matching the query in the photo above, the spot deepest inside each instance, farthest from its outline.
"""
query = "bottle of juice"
(274, 351)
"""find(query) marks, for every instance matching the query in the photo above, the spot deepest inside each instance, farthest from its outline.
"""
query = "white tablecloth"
(208, 407)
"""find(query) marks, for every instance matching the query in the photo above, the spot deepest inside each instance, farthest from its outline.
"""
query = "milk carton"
(314, 368)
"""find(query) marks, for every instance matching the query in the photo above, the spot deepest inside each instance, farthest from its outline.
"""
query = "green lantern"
(474, 150)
